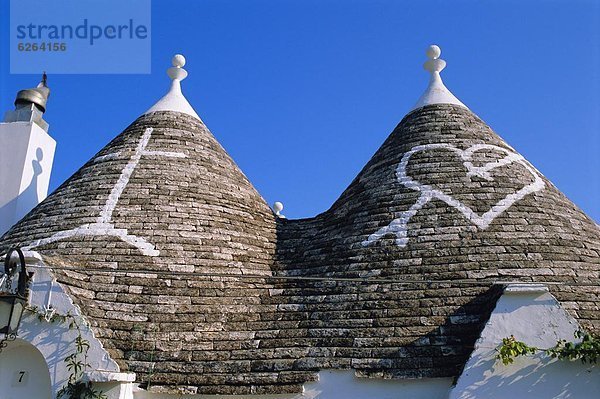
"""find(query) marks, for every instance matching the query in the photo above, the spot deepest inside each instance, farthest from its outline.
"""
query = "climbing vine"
(587, 349)
(511, 348)
(76, 362)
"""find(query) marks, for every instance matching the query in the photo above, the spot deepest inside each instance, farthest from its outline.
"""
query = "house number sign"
(20, 378)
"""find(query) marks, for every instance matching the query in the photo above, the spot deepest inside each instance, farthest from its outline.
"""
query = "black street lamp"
(12, 304)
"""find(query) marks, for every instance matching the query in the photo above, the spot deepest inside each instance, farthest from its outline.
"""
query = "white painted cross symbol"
(104, 225)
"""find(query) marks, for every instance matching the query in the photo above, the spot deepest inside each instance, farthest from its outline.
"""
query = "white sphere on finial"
(277, 207)
(433, 52)
(178, 61)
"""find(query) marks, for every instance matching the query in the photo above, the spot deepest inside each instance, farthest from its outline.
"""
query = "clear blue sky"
(302, 93)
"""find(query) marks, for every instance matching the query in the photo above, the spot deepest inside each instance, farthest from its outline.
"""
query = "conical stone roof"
(447, 202)
(441, 216)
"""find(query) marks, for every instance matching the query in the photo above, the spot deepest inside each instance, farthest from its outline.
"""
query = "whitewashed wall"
(535, 317)
(25, 166)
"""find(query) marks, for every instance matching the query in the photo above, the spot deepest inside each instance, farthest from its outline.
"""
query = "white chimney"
(26, 155)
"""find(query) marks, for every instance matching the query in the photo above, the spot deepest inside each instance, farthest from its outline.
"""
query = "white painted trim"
(526, 288)
(108, 376)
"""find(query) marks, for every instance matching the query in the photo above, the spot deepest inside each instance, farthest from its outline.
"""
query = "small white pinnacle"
(278, 207)
(436, 92)
(174, 99)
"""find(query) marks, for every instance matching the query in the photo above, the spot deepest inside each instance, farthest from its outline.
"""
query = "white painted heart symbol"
(399, 226)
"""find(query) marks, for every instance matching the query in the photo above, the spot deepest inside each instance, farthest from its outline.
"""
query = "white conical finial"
(174, 99)
(278, 207)
(436, 92)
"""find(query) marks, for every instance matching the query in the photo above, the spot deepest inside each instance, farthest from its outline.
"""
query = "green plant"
(511, 348)
(587, 349)
(79, 390)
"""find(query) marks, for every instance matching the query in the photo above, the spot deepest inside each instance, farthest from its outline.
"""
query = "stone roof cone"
(445, 199)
